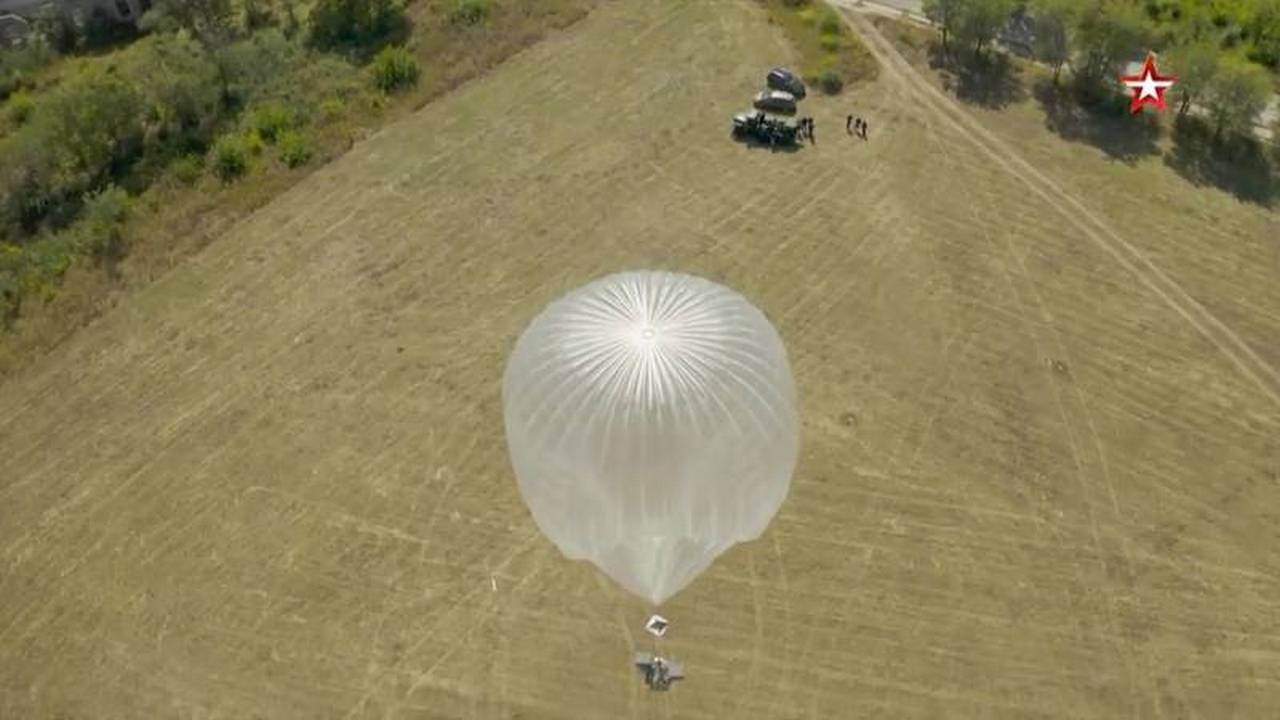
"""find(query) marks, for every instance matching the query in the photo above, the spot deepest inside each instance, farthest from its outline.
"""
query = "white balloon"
(651, 421)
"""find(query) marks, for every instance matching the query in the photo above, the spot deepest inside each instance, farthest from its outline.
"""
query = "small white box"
(657, 626)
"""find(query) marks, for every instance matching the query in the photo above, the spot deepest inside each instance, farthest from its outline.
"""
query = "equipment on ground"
(766, 129)
(658, 671)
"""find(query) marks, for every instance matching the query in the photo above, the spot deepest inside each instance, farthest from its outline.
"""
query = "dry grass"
(1036, 480)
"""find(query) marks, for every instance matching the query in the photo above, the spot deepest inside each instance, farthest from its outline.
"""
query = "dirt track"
(1036, 482)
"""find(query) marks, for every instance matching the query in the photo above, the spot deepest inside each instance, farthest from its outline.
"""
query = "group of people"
(805, 129)
(856, 126)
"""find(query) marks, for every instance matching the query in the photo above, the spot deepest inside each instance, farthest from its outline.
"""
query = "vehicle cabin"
(775, 101)
(786, 81)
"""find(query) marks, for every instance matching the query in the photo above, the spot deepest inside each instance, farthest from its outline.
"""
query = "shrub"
(271, 120)
(295, 149)
(188, 168)
(230, 157)
(19, 65)
(394, 68)
(830, 82)
(831, 23)
(20, 106)
(469, 12)
(795, 3)
(79, 137)
(255, 14)
(830, 43)
(253, 143)
(28, 187)
(101, 228)
(336, 23)
(181, 87)
(331, 108)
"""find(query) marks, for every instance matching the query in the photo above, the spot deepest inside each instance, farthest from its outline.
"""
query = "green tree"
(980, 21)
(353, 23)
(1195, 65)
(1264, 33)
(1055, 22)
(1236, 96)
(94, 124)
(1108, 34)
(945, 14)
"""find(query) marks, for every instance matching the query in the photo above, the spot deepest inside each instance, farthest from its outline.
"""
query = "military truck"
(765, 129)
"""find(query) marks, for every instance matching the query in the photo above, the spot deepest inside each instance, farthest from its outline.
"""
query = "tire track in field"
(1124, 254)
(901, 72)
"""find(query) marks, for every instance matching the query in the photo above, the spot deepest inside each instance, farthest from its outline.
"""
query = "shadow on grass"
(1237, 165)
(754, 144)
(991, 80)
(1102, 124)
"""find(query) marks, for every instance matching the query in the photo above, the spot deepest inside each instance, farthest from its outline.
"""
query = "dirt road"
(1037, 480)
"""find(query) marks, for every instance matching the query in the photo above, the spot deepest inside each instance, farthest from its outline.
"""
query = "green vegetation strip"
(144, 145)
(831, 57)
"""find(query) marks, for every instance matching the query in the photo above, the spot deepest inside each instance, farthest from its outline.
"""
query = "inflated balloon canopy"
(651, 420)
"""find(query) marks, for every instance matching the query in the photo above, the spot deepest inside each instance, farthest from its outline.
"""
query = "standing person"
(812, 140)
(864, 129)
(848, 124)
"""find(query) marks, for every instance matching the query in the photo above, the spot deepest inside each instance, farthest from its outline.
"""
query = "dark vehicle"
(775, 101)
(766, 130)
(786, 81)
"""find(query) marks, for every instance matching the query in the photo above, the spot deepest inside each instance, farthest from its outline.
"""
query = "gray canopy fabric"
(651, 420)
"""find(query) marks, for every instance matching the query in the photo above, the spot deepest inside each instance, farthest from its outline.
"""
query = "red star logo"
(1148, 86)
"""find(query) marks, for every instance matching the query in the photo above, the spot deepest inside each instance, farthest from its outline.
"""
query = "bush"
(831, 23)
(101, 229)
(20, 106)
(181, 87)
(253, 143)
(271, 120)
(95, 125)
(188, 169)
(230, 157)
(394, 68)
(331, 108)
(830, 43)
(81, 136)
(469, 12)
(19, 65)
(830, 82)
(354, 23)
(295, 149)
(255, 14)
(28, 187)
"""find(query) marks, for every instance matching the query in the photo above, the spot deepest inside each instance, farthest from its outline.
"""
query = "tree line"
(1224, 52)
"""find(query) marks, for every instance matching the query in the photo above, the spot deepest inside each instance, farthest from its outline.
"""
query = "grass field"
(1041, 463)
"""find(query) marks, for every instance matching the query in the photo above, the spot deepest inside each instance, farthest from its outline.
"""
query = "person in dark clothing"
(864, 129)
(812, 139)
(848, 124)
